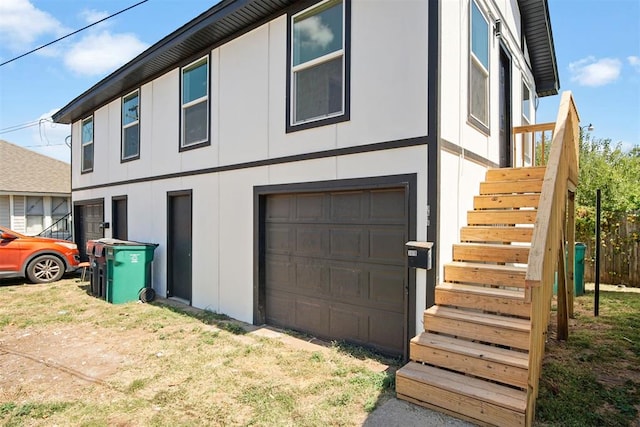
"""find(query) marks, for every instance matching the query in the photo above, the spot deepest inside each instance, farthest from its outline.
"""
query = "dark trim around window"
(206, 143)
(346, 115)
(93, 143)
(128, 159)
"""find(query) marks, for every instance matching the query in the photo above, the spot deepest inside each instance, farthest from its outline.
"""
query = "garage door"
(88, 224)
(334, 265)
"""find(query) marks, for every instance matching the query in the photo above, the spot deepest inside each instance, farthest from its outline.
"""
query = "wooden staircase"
(472, 359)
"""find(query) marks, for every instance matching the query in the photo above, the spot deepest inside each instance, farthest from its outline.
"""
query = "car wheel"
(45, 269)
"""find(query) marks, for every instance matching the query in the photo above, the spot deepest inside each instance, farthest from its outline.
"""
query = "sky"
(597, 46)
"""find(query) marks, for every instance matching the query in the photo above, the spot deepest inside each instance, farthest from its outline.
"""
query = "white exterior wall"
(223, 220)
(248, 121)
(13, 209)
(247, 95)
(460, 176)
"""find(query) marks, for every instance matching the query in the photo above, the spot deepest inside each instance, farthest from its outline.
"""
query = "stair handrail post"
(561, 175)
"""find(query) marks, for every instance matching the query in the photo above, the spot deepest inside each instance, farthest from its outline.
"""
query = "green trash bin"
(578, 269)
(128, 270)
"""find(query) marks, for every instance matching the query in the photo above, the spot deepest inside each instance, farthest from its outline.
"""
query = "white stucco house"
(283, 152)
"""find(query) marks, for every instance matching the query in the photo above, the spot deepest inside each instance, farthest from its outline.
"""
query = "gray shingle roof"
(27, 171)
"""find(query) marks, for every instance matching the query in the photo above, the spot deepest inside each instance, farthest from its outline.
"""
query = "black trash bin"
(98, 261)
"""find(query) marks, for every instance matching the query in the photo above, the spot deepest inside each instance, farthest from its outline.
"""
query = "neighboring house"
(35, 191)
(283, 152)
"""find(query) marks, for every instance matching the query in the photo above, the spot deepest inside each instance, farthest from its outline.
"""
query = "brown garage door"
(88, 218)
(335, 265)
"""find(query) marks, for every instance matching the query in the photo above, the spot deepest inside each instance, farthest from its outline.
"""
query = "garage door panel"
(387, 246)
(280, 310)
(311, 278)
(346, 324)
(347, 207)
(279, 239)
(386, 289)
(347, 283)
(387, 205)
(308, 207)
(386, 330)
(280, 273)
(278, 208)
(347, 242)
(312, 315)
(311, 241)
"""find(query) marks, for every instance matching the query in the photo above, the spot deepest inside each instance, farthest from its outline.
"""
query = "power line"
(71, 34)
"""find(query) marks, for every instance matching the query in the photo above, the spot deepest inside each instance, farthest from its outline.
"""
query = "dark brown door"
(179, 245)
(119, 218)
(88, 224)
(335, 267)
(506, 148)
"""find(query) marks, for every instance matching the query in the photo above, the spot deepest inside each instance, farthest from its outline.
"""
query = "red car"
(40, 259)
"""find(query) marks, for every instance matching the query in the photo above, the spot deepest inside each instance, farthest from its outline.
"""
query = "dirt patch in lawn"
(69, 358)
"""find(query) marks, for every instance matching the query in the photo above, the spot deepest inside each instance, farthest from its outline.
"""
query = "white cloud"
(99, 53)
(634, 61)
(91, 16)
(591, 72)
(21, 24)
(315, 32)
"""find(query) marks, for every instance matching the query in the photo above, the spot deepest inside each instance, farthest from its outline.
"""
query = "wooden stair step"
(510, 187)
(505, 174)
(486, 274)
(506, 201)
(504, 234)
(474, 325)
(504, 301)
(485, 361)
(460, 395)
(488, 252)
(500, 216)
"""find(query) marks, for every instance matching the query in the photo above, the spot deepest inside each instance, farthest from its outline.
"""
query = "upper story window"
(526, 102)
(318, 55)
(194, 114)
(131, 126)
(479, 69)
(87, 145)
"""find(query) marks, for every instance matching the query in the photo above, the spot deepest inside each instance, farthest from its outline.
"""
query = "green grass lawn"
(593, 379)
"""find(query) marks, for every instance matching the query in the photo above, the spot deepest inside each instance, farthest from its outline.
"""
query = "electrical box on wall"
(419, 254)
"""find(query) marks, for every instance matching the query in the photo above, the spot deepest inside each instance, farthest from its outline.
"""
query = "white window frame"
(474, 61)
(317, 61)
(84, 143)
(527, 118)
(184, 107)
(130, 125)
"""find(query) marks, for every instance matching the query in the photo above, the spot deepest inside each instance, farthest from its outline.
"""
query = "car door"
(10, 248)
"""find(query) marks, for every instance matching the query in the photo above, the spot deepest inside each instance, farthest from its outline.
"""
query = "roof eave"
(537, 30)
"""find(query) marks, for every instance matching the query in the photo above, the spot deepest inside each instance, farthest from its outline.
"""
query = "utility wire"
(71, 34)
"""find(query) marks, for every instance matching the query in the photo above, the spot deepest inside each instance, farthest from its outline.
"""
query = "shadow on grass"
(207, 317)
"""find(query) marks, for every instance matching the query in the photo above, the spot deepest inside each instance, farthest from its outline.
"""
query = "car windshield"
(6, 230)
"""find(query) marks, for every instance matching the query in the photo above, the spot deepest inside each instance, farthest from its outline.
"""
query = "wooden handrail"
(547, 245)
(531, 133)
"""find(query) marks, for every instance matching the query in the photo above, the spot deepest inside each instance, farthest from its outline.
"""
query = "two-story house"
(283, 152)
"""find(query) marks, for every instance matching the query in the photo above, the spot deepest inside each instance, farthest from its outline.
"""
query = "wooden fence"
(619, 253)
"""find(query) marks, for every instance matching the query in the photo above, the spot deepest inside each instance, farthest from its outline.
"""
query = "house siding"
(388, 133)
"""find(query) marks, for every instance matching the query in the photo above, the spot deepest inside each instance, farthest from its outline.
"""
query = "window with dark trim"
(194, 104)
(131, 126)
(479, 68)
(318, 80)
(87, 145)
